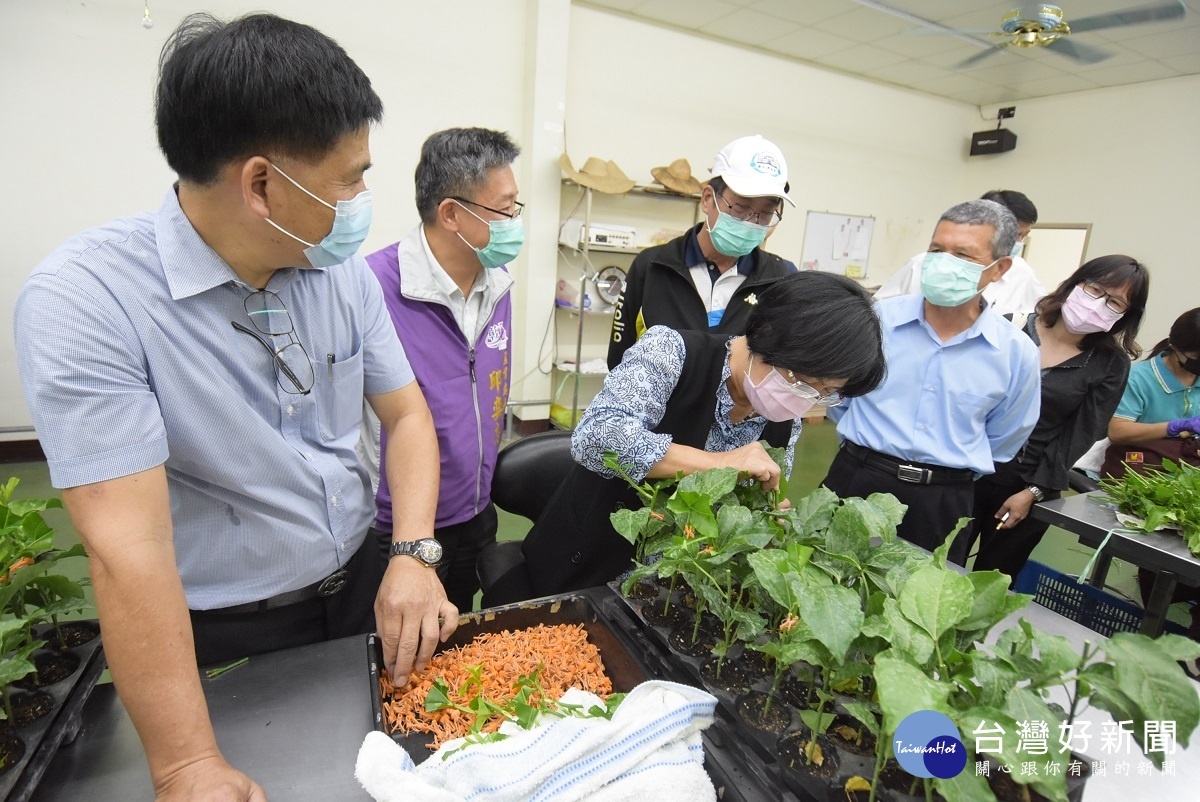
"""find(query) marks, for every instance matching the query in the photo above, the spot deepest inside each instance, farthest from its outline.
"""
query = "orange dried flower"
(788, 623)
(689, 532)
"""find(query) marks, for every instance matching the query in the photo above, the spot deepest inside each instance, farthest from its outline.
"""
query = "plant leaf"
(833, 613)
(936, 599)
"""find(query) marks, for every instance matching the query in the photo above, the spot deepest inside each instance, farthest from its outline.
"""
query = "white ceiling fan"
(1043, 25)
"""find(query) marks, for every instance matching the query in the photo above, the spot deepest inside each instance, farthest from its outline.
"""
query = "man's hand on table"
(412, 615)
(210, 779)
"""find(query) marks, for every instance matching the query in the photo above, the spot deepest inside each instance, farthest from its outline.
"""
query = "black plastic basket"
(1087, 605)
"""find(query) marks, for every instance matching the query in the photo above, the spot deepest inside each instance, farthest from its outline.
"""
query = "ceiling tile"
(685, 13)
(805, 13)
(987, 97)
(1189, 64)
(920, 42)
(906, 73)
(616, 5)
(1055, 86)
(1119, 56)
(860, 59)
(1131, 74)
(749, 27)
(863, 25)
(950, 56)
(953, 83)
(1012, 71)
(1176, 42)
(808, 44)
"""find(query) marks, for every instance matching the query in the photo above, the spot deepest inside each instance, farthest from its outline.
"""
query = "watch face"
(428, 551)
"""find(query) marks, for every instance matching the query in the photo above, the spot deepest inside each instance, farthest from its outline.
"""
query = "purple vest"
(465, 386)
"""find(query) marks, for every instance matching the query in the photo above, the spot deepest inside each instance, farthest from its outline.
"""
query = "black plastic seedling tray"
(629, 659)
(43, 737)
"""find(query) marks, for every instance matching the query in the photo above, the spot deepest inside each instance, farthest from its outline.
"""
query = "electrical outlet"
(1006, 112)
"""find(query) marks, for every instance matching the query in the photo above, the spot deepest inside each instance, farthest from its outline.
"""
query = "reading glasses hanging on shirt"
(293, 368)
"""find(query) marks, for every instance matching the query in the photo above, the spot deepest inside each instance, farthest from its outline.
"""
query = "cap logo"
(764, 162)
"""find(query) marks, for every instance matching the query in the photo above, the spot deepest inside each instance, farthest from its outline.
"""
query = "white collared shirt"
(465, 309)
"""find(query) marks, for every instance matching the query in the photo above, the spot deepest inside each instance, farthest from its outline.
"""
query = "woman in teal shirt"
(1159, 413)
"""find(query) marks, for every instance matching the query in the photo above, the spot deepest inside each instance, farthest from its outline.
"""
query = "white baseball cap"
(753, 167)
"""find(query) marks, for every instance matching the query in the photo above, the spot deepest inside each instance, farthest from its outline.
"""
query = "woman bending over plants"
(685, 401)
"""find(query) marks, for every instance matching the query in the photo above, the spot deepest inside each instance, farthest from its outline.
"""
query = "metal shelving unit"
(588, 276)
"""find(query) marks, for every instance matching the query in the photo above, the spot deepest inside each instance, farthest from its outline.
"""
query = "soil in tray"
(750, 708)
(74, 633)
(645, 590)
(849, 735)
(51, 668)
(757, 664)
(792, 748)
(796, 692)
(732, 678)
(674, 617)
(12, 749)
(29, 707)
(900, 781)
(680, 640)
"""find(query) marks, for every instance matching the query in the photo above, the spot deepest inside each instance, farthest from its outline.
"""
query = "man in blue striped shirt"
(962, 391)
(197, 374)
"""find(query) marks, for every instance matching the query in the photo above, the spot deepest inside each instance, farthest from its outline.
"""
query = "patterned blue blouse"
(634, 399)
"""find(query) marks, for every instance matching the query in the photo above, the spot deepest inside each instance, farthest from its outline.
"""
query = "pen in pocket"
(329, 363)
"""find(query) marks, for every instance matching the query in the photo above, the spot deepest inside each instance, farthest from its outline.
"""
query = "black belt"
(329, 586)
(918, 473)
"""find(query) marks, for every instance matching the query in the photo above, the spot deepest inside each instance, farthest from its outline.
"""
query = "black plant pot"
(39, 739)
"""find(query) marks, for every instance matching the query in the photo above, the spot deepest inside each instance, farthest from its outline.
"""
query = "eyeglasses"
(520, 207)
(293, 368)
(806, 390)
(748, 215)
(1114, 303)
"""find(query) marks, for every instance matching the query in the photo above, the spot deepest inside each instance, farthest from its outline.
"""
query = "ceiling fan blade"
(1158, 12)
(1085, 54)
(978, 57)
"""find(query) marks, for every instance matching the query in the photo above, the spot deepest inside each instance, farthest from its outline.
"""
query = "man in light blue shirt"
(197, 374)
(962, 391)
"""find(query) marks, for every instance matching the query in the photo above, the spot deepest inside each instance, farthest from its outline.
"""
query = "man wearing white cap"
(701, 280)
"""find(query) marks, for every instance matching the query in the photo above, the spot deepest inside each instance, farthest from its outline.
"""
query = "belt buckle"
(333, 583)
(911, 473)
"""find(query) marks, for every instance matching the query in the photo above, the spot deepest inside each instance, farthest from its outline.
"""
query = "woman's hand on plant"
(1017, 507)
(210, 779)
(754, 461)
(412, 615)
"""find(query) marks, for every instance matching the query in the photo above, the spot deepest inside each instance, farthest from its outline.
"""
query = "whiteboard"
(837, 243)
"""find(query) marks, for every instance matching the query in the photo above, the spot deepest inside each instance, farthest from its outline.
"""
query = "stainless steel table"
(1088, 517)
(294, 721)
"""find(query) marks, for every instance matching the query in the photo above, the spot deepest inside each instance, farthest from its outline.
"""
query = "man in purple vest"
(447, 288)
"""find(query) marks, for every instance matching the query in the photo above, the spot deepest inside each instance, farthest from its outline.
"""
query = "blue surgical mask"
(735, 238)
(947, 280)
(351, 222)
(505, 238)
(1017, 248)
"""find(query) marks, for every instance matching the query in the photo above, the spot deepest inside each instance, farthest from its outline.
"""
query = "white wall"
(1127, 160)
(77, 95)
(79, 148)
(643, 96)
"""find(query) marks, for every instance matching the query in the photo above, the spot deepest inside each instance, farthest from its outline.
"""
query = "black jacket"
(1079, 397)
(573, 544)
(659, 290)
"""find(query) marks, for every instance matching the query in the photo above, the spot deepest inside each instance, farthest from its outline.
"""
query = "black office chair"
(527, 474)
(1080, 482)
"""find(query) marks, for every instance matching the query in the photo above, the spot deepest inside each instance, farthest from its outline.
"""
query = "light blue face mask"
(735, 238)
(351, 222)
(505, 238)
(1017, 248)
(947, 280)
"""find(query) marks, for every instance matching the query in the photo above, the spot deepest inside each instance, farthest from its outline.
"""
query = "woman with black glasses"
(685, 401)
(1085, 332)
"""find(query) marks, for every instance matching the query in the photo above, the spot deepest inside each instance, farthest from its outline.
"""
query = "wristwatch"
(427, 550)
(1039, 495)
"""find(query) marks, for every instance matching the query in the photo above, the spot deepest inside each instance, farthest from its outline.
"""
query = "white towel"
(651, 749)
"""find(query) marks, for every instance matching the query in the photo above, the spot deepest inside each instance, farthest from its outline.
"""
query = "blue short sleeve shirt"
(129, 360)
